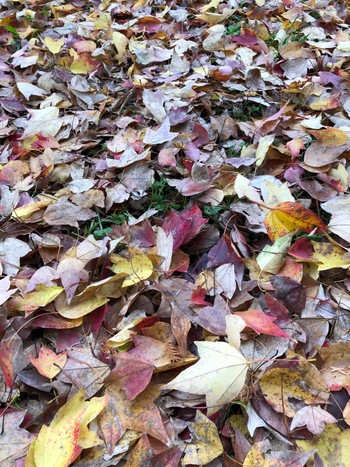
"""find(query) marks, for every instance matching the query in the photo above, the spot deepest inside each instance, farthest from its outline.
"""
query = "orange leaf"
(291, 217)
(48, 363)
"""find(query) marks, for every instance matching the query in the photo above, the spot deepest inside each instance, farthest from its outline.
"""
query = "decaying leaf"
(290, 217)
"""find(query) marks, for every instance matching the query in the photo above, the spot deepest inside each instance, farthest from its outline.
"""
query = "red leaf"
(184, 225)
(261, 323)
(132, 373)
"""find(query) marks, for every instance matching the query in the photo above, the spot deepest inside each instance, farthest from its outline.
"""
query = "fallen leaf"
(14, 440)
(48, 363)
(219, 374)
(273, 256)
(313, 417)
(205, 445)
(140, 414)
(332, 446)
(60, 443)
(290, 292)
(33, 300)
(53, 45)
(133, 373)
(261, 323)
(290, 217)
(138, 268)
(281, 386)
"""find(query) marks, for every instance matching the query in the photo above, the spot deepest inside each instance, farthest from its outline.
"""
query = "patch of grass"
(247, 111)
(234, 26)
(103, 226)
(233, 29)
(163, 197)
(213, 213)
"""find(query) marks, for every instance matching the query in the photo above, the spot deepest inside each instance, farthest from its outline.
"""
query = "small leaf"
(48, 363)
(53, 45)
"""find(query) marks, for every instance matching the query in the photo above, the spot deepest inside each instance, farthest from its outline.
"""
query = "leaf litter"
(174, 237)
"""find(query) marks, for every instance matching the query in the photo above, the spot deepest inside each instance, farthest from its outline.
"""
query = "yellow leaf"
(83, 63)
(212, 4)
(325, 104)
(138, 268)
(215, 18)
(120, 42)
(81, 305)
(88, 438)
(103, 22)
(205, 445)
(331, 136)
(332, 446)
(291, 217)
(59, 444)
(329, 256)
(280, 386)
(34, 300)
(255, 457)
(53, 45)
(24, 212)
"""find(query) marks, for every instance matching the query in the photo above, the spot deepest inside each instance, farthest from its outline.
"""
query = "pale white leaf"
(164, 248)
(225, 280)
(11, 251)
(263, 146)
(244, 189)
(272, 256)
(161, 135)
(219, 374)
(28, 89)
(234, 326)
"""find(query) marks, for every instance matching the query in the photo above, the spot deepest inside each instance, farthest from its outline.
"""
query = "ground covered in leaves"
(175, 230)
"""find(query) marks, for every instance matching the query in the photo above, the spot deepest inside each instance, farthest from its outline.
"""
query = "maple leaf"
(48, 363)
(219, 374)
(205, 445)
(59, 444)
(332, 446)
(261, 323)
(140, 414)
(313, 417)
(138, 268)
(291, 217)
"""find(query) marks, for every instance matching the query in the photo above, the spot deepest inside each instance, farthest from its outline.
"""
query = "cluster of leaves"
(174, 243)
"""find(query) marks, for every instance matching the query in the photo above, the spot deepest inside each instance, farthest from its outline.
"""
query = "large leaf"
(291, 217)
(59, 444)
(219, 374)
